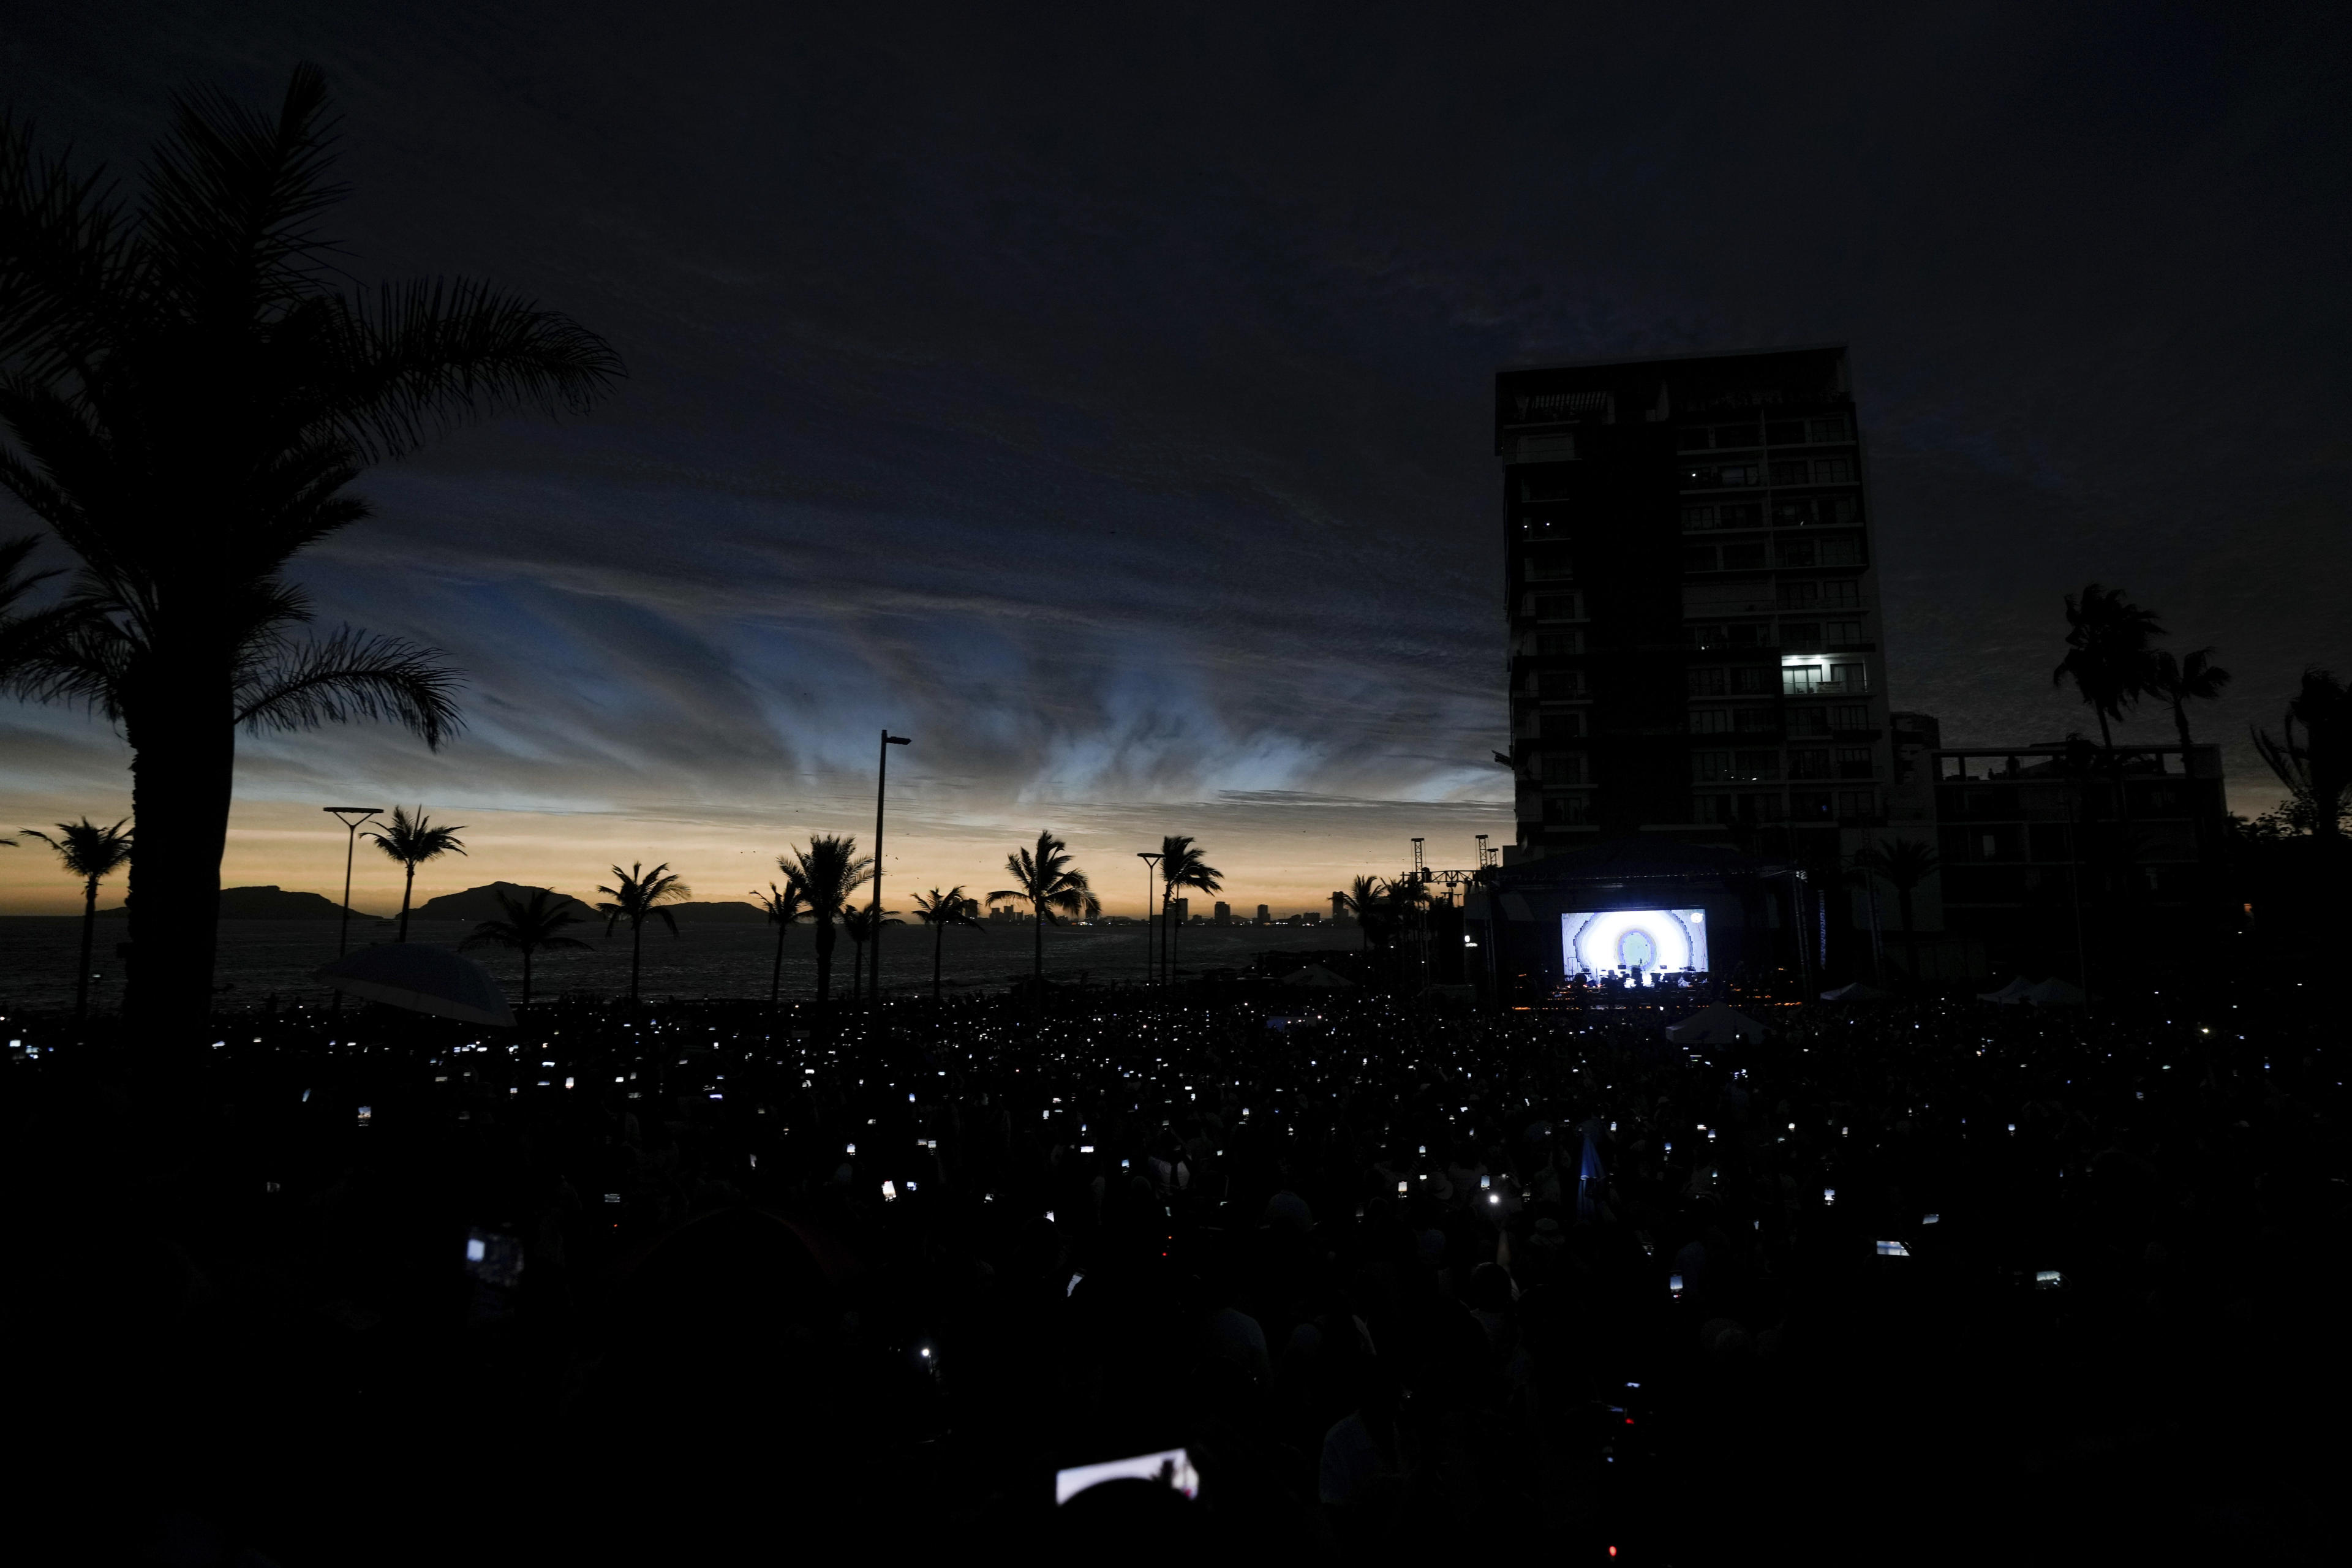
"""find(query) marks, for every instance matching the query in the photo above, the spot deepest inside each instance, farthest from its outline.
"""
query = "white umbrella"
(423, 979)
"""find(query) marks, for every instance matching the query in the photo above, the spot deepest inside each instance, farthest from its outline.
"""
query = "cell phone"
(1675, 1283)
(1171, 1468)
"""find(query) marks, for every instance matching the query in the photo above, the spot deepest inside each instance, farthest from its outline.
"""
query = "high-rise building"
(1339, 906)
(1695, 640)
(1262, 916)
(1224, 914)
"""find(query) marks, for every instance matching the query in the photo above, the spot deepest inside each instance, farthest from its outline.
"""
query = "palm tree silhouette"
(191, 390)
(782, 905)
(861, 924)
(828, 873)
(2192, 677)
(531, 925)
(412, 841)
(1362, 899)
(1046, 881)
(1182, 865)
(2317, 765)
(24, 635)
(940, 910)
(93, 853)
(2107, 653)
(1902, 865)
(637, 897)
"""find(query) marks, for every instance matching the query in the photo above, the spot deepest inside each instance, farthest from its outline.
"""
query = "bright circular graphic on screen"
(1651, 941)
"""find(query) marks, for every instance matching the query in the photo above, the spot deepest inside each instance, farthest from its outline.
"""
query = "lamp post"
(352, 817)
(881, 782)
(1150, 940)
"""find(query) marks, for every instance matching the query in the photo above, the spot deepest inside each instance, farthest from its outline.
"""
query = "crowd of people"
(1925, 1275)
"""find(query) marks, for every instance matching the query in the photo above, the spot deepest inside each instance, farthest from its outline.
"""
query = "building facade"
(1695, 647)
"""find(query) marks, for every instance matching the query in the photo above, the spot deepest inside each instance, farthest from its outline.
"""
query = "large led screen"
(1646, 942)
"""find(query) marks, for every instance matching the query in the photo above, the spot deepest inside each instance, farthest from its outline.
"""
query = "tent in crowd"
(421, 978)
(1715, 1025)
(1857, 992)
(1315, 977)
(2015, 991)
(2055, 993)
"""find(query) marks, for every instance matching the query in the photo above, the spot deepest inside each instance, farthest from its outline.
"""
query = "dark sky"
(1102, 394)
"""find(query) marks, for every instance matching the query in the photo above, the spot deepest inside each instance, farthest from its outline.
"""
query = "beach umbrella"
(423, 979)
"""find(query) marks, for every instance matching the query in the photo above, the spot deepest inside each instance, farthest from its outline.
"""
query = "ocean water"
(263, 958)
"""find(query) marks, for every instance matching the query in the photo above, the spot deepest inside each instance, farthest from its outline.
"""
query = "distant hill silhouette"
(271, 903)
(718, 912)
(482, 903)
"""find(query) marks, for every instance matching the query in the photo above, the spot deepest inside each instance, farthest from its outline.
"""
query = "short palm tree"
(93, 853)
(782, 905)
(637, 896)
(1053, 888)
(1903, 863)
(2315, 758)
(1362, 899)
(861, 925)
(412, 841)
(940, 910)
(531, 925)
(2107, 655)
(192, 386)
(2192, 677)
(828, 873)
(1182, 864)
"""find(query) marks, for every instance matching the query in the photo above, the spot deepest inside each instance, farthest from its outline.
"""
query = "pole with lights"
(1151, 859)
(881, 782)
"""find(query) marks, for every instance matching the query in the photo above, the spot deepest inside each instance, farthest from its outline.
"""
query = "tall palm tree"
(1046, 879)
(2107, 653)
(412, 841)
(2192, 677)
(1182, 864)
(93, 853)
(1362, 899)
(531, 925)
(782, 905)
(861, 925)
(637, 896)
(940, 910)
(2315, 766)
(190, 387)
(828, 873)
(1903, 863)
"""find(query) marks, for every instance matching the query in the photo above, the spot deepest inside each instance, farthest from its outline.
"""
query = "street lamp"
(1151, 859)
(881, 782)
(352, 817)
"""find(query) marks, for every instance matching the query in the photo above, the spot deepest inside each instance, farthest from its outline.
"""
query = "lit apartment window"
(1710, 722)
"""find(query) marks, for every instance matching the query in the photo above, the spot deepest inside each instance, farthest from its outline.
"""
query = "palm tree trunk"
(776, 979)
(89, 934)
(2181, 722)
(407, 890)
(184, 759)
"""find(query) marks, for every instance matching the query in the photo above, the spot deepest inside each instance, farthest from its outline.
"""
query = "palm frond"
(423, 357)
(87, 849)
(352, 675)
(63, 247)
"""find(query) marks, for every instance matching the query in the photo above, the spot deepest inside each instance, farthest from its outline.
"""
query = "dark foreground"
(665, 1314)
